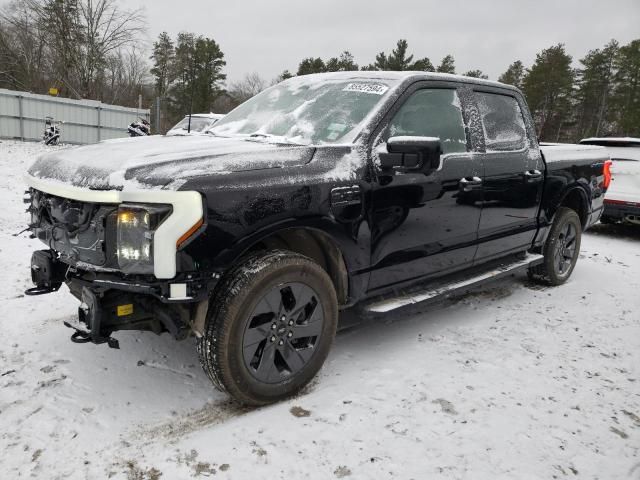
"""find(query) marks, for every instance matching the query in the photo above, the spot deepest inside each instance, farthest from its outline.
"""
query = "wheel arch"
(330, 249)
(315, 244)
(576, 199)
(574, 196)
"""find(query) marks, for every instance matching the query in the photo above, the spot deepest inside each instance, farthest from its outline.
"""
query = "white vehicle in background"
(622, 200)
(200, 123)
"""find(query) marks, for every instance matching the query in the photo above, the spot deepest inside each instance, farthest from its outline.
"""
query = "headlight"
(136, 226)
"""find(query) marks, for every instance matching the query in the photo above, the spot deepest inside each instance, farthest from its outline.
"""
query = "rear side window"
(432, 112)
(502, 122)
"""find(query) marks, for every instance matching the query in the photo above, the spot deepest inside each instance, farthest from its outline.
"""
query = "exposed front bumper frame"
(198, 287)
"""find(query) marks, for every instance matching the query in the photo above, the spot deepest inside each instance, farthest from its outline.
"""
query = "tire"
(258, 352)
(560, 254)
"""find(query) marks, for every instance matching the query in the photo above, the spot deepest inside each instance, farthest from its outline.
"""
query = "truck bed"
(555, 153)
(579, 167)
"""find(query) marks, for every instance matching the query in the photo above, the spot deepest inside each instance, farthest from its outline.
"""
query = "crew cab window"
(432, 112)
(504, 128)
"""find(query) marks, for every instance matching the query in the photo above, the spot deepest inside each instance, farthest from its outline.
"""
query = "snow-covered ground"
(513, 381)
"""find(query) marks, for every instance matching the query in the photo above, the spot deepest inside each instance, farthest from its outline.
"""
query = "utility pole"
(193, 82)
(157, 114)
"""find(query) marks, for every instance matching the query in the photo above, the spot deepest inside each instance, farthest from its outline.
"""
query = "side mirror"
(411, 154)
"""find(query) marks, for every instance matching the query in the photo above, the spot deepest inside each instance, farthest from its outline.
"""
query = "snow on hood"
(162, 162)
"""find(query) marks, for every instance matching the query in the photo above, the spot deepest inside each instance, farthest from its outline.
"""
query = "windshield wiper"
(209, 132)
(275, 138)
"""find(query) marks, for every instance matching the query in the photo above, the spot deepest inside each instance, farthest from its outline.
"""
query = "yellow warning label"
(125, 310)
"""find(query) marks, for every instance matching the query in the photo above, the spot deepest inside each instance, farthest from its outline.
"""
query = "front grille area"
(78, 231)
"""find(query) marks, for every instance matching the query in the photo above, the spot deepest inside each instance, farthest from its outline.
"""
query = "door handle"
(467, 183)
(533, 174)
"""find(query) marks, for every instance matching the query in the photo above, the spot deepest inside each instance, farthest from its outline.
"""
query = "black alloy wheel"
(269, 327)
(282, 332)
(561, 250)
(565, 249)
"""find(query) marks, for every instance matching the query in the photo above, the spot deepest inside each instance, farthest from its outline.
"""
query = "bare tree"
(113, 77)
(22, 48)
(72, 44)
(126, 74)
(250, 85)
(107, 29)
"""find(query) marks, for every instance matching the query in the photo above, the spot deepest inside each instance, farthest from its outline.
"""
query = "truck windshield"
(305, 111)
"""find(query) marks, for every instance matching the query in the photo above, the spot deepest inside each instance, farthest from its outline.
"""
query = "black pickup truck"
(325, 191)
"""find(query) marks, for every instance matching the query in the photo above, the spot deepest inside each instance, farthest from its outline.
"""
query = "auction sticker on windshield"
(374, 88)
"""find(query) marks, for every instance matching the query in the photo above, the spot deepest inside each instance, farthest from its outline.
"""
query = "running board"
(382, 306)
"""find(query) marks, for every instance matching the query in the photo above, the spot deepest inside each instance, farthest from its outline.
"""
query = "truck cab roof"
(408, 76)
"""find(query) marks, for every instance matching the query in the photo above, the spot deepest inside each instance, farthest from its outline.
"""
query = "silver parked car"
(200, 123)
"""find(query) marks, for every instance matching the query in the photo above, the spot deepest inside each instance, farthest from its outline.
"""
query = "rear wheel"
(562, 249)
(270, 327)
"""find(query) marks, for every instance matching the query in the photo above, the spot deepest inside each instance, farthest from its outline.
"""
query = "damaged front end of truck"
(121, 254)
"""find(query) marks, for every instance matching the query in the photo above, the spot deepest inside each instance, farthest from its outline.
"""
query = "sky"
(270, 36)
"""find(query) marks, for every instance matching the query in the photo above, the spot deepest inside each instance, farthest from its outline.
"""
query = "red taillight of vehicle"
(607, 174)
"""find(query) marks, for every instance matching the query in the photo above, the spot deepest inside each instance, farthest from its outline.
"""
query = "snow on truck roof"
(397, 76)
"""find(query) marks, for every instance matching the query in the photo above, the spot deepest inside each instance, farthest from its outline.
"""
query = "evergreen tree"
(626, 93)
(447, 65)
(476, 74)
(163, 57)
(514, 74)
(344, 63)
(422, 65)
(198, 74)
(548, 87)
(399, 60)
(184, 67)
(595, 86)
(286, 74)
(209, 63)
(311, 65)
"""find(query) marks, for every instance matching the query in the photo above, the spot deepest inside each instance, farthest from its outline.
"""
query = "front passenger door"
(420, 226)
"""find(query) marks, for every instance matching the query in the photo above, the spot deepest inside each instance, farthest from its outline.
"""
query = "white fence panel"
(22, 117)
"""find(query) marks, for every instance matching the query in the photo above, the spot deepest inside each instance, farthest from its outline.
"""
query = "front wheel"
(562, 249)
(269, 327)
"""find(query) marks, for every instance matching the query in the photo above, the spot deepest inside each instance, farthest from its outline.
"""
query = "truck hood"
(162, 162)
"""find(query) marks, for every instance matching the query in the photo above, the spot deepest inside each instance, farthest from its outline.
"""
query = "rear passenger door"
(513, 175)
